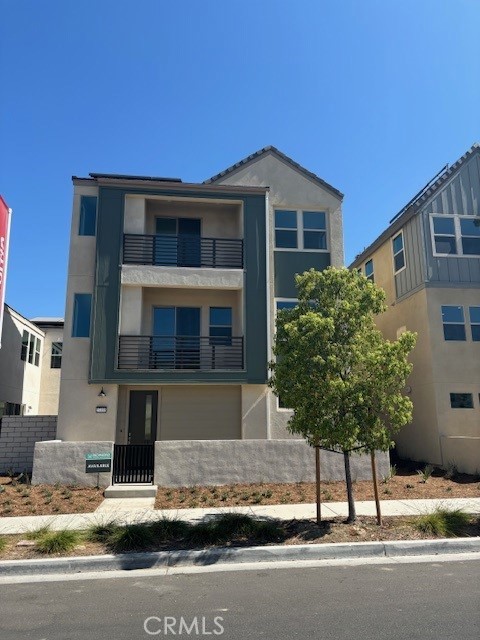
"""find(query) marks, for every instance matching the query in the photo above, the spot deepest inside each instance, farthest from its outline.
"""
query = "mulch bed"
(19, 499)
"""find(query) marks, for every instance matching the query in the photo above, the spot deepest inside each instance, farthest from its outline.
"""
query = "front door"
(142, 417)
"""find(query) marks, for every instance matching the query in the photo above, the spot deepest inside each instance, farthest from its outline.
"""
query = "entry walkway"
(129, 512)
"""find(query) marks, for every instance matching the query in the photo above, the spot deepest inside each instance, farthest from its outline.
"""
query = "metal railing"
(183, 251)
(180, 352)
(133, 463)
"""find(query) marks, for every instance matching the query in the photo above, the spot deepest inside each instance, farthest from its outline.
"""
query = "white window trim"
(447, 322)
(371, 276)
(299, 230)
(285, 300)
(458, 236)
(396, 254)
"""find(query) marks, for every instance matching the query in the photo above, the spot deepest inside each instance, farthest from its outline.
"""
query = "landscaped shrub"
(58, 541)
(443, 522)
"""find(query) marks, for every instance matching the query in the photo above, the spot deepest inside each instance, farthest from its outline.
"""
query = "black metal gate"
(133, 463)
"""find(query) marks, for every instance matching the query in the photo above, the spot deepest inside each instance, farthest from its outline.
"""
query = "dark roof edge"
(122, 176)
(282, 156)
(412, 209)
(134, 181)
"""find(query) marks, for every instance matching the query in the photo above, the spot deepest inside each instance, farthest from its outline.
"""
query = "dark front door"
(142, 418)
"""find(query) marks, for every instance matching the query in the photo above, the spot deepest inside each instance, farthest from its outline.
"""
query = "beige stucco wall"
(50, 378)
(19, 380)
(77, 418)
(218, 220)
(291, 190)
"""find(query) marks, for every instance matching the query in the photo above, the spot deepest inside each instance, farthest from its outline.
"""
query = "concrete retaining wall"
(211, 462)
(18, 435)
(64, 462)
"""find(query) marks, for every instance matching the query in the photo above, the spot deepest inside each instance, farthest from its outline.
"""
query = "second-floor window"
(453, 323)
(31, 346)
(301, 230)
(398, 253)
(82, 306)
(56, 355)
(455, 235)
(88, 216)
(475, 323)
(369, 270)
(221, 325)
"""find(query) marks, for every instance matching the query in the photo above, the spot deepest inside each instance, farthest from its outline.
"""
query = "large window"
(82, 307)
(455, 235)
(11, 409)
(461, 400)
(31, 346)
(475, 323)
(88, 216)
(286, 304)
(56, 355)
(369, 270)
(302, 230)
(453, 323)
(221, 325)
(398, 253)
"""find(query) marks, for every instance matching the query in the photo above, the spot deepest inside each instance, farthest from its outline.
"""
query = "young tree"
(333, 367)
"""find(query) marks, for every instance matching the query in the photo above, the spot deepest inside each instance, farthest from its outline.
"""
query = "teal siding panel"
(288, 263)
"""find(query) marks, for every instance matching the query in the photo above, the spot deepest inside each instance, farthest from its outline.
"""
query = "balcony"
(181, 353)
(183, 251)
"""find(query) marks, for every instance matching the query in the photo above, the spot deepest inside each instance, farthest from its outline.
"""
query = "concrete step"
(131, 491)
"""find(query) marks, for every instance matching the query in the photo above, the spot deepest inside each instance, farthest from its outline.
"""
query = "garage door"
(200, 413)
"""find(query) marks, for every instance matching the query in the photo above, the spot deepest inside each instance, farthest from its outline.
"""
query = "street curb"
(229, 555)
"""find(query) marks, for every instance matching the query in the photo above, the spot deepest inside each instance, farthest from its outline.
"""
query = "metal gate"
(133, 463)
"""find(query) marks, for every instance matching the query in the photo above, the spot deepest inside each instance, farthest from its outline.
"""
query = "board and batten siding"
(414, 274)
(461, 196)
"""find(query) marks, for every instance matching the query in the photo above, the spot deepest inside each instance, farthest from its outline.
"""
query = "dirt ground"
(292, 532)
(405, 483)
(19, 499)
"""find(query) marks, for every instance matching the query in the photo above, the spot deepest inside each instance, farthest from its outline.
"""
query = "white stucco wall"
(50, 378)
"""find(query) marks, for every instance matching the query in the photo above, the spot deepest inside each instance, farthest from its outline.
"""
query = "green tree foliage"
(334, 368)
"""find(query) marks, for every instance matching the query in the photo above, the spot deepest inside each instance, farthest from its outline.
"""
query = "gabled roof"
(413, 206)
(274, 151)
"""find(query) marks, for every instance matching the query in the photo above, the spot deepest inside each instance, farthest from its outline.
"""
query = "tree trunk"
(352, 516)
(375, 488)
(317, 475)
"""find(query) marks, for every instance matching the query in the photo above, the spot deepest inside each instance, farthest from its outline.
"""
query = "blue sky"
(374, 96)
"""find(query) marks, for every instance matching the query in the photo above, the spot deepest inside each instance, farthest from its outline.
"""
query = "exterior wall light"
(102, 393)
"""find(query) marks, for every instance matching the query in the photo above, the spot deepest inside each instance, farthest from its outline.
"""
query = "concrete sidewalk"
(129, 513)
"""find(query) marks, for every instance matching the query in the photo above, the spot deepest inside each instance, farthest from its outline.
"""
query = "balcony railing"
(180, 352)
(183, 251)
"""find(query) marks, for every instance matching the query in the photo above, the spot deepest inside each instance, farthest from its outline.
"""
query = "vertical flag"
(5, 214)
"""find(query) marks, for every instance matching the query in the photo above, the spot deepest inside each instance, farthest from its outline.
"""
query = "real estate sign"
(98, 462)
(5, 214)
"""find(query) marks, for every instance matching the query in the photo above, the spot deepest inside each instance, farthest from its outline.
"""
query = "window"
(11, 409)
(286, 304)
(475, 323)
(88, 216)
(221, 326)
(314, 230)
(453, 323)
(286, 229)
(444, 235)
(302, 230)
(31, 346)
(461, 400)
(369, 270)
(455, 235)
(398, 253)
(24, 352)
(82, 305)
(470, 231)
(56, 355)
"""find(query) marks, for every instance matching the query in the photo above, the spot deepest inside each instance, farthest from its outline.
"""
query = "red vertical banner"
(5, 214)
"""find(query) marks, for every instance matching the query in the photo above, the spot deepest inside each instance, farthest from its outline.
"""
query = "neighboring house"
(428, 263)
(28, 384)
(171, 299)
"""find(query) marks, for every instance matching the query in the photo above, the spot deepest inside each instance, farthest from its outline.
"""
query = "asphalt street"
(438, 600)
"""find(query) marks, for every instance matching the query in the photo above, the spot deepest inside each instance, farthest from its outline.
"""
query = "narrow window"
(444, 235)
(453, 323)
(314, 230)
(24, 352)
(56, 355)
(398, 253)
(369, 270)
(286, 229)
(470, 229)
(31, 348)
(221, 326)
(475, 323)
(82, 304)
(88, 216)
(461, 400)
(38, 345)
